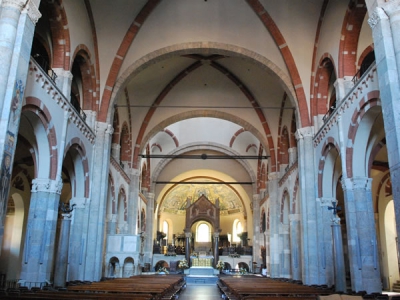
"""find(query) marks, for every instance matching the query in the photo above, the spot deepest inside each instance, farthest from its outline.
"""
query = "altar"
(202, 261)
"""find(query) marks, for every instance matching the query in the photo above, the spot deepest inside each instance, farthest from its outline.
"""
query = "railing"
(46, 83)
(50, 74)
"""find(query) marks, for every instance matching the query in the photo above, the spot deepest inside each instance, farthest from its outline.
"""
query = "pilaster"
(309, 246)
(78, 240)
(149, 225)
(274, 221)
(294, 221)
(385, 24)
(133, 200)
(60, 273)
(97, 209)
(256, 228)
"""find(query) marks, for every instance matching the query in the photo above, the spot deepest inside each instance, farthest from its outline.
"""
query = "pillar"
(256, 229)
(188, 236)
(97, 209)
(17, 25)
(274, 220)
(294, 228)
(309, 228)
(340, 272)
(38, 259)
(133, 201)
(60, 272)
(385, 25)
(78, 240)
(149, 226)
(64, 81)
(216, 249)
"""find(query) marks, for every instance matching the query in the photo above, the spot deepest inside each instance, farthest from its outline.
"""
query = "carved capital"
(66, 216)
(33, 12)
(327, 201)
(376, 16)
(46, 185)
(363, 183)
(79, 202)
(19, 4)
(273, 176)
(301, 133)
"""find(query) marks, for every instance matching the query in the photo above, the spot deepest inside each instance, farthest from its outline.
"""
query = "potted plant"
(162, 271)
(220, 265)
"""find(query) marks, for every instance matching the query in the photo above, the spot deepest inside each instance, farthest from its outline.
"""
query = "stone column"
(309, 232)
(294, 228)
(133, 200)
(112, 224)
(256, 229)
(17, 25)
(78, 238)
(149, 225)
(340, 272)
(216, 250)
(274, 220)
(188, 236)
(97, 209)
(116, 151)
(285, 251)
(325, 237)
(384, 22)
(38, 260)
(60, 272)
(367, 252)
(292, 155)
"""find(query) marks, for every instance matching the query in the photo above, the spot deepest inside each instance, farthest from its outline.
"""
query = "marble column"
(60, 271)
(149, 225)
(309, 229)
(384, 22)
(98, 201)
(188, 236)
(78, 238)
(38, 260)
(274, 220)
(367, 252)
(294, 229)
(133, 200)
(340, 272)
(325, 237)
(256, 229)
(17, 25)
(216, 250)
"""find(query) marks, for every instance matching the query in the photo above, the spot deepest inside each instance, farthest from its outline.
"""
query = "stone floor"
(200, 292)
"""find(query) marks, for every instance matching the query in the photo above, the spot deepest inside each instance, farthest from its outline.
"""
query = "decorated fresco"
(176, 200)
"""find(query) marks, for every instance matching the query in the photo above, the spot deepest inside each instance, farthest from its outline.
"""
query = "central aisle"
(200, 292)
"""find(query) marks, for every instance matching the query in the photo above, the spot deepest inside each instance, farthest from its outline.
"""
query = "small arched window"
(203, 233)
(165, 229)
(237, 229)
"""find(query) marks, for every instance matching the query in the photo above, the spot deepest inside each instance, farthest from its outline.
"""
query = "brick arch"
(60, 34)
(112, 187)
(121, 53)
(320, 101)
(27, 145)
(202, 48)
(203, 113)
(295, 190)
(172, 135)
(371, 100)
(88, 75)
(125, 142)
(287, 56)
(283, 148)
(351, 29)
(79, 146)
(235, 135)
(330, 143)
(284, 195)
(364, 54)
(37, 107)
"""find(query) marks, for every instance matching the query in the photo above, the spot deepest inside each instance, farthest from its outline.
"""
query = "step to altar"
(201, 271)
(201, 279)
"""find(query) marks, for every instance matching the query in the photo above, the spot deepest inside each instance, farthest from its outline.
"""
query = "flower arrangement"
(194, 254)
(162, 270)
(183, 264)
(220, 265)
(242, 271)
